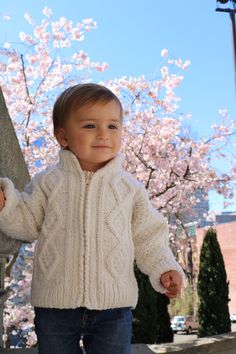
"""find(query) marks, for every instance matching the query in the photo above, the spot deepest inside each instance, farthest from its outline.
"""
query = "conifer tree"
(151, 318)
(213, 289)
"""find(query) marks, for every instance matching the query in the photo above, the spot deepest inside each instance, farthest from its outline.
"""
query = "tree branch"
(27, 90)
(168, 201)
(170, 186)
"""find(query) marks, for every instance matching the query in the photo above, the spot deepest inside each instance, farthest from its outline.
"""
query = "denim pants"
(103, 332)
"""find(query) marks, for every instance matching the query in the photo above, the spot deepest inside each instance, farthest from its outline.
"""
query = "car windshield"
(178, 319)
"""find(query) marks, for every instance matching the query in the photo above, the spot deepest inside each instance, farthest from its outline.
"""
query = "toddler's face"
(93, 134)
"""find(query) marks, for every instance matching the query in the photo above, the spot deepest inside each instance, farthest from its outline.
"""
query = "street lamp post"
(230, 7)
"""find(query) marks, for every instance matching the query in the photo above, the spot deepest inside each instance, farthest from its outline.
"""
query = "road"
(183, 338)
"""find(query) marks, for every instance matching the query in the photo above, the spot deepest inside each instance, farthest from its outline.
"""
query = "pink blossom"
(76, 34)
(22, 36)
(186, 64)
(164, 52)
(29, 19)
(164, 71)
(88, 21)
(101, 67)
(32, 59)
(63, 21)
(47, 11)
(58, 36)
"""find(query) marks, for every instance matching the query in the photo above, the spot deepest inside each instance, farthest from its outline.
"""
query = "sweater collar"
(68, 161)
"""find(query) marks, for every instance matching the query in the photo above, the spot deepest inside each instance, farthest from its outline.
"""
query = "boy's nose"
(102, 134)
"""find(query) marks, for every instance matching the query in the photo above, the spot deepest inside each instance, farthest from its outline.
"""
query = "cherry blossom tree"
(35, 70)
(159, 148)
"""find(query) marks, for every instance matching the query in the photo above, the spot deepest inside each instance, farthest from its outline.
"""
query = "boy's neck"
(92, 167)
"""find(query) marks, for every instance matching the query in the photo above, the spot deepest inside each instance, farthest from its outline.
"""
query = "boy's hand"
(172, 282)
(2, 199)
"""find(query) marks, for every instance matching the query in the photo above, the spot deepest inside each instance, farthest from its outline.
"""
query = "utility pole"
(230, 7)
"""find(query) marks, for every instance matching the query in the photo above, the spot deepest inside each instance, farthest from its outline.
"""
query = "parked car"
(184, 323)
(233, 318)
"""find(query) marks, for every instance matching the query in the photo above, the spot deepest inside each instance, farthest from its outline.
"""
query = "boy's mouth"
(101, 147)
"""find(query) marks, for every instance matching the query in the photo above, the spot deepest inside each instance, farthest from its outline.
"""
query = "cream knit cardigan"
(87, 237)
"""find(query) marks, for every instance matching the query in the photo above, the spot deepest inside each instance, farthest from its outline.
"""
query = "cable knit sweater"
(88, 235)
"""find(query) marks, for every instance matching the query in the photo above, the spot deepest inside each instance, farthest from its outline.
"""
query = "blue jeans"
(103, 332)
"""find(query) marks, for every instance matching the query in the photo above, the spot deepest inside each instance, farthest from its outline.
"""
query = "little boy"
(91, 219)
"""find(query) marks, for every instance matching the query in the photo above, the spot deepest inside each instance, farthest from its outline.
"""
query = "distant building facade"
(225, 217)
(225, 225)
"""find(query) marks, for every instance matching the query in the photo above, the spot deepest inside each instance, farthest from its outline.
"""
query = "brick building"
(226, 235)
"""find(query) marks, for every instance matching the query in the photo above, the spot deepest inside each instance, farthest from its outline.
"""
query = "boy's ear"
(60, 135)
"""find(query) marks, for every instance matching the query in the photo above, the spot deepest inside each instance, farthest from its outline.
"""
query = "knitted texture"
(88, 233)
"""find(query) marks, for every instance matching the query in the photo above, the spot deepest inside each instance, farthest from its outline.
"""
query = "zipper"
(87, 178)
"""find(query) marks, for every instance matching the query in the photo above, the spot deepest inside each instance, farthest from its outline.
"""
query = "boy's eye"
(113, 126)
(89, 126)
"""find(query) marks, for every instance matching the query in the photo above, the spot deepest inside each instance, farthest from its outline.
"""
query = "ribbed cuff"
(164, 266)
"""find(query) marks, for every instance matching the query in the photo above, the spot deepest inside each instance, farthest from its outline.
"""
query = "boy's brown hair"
(75, 97)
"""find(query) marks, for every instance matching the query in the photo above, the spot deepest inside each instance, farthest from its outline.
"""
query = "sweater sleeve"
(151, 241)
(23, 213)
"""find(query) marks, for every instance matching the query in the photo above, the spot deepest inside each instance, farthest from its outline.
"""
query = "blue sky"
(131, 35)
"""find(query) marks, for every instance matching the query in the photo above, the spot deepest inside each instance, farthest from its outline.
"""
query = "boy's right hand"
(2, 199)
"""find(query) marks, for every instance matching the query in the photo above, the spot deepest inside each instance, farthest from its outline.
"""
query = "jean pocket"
(53, 321)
